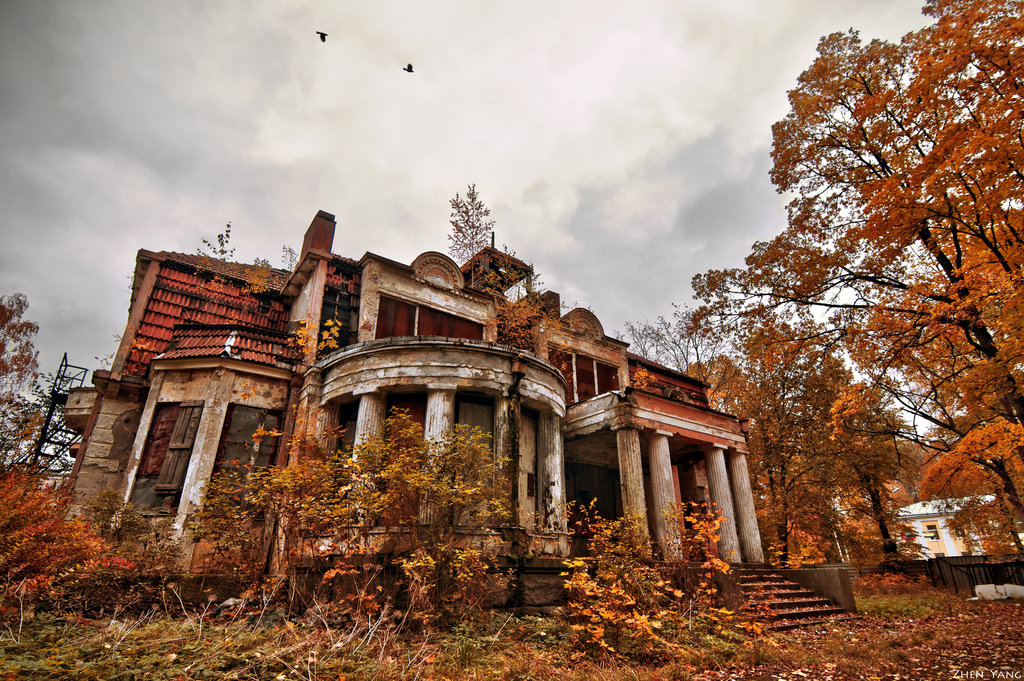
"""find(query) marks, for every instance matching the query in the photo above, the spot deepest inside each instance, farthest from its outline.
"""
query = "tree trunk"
(1009, 488)
(889, 547)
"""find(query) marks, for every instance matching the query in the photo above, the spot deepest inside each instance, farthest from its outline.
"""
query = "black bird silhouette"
(323, 36)
(408, 67)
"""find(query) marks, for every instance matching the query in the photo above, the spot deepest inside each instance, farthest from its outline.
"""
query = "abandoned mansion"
(210, 356)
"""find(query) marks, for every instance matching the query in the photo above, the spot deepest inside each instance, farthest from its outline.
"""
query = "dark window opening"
(413, 404)
(246, 441)
(476, 411)
(397, 318)
(584, 378)
(347, 416)
(338, 308)
(607, 378)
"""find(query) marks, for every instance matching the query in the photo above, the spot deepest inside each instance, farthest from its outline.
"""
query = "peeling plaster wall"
(109, 448)
(404, 364)
(216, 384)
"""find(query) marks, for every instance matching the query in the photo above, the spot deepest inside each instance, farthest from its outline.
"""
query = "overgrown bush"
(398, 524)
(624, 604)
(37, 540)
(138, 556)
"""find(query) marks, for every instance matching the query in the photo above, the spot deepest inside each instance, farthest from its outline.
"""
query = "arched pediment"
(584, 321)
(438, 268)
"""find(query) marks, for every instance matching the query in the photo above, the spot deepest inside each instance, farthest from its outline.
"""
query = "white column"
(721, 498)
(663, 497)
(551, 490)
(439, 421)
(440, 418)
(204, 448)
(370, 417)
(327, 428)
(507, 455)
(746, 515)
(631, 476)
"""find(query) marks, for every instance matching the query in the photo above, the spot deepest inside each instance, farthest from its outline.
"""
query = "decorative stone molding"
(584, 322)
(438, 268)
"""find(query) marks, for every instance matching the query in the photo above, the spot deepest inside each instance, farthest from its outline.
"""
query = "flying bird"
(323, 36)
(408, 68)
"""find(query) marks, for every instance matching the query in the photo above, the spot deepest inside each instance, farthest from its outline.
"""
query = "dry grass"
(242, 644)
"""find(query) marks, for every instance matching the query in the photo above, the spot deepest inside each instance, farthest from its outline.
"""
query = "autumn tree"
(870, 460)
(787, 390)
(19, 415)
(471, 225)
(906, 164)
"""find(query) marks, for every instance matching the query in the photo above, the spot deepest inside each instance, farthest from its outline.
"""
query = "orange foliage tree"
(37, 540)
(820, 482)
(906, 162)
(19, 417)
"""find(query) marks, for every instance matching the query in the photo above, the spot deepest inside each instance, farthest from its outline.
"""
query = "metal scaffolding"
(55, 438)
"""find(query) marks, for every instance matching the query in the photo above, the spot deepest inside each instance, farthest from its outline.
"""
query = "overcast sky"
(622, 147)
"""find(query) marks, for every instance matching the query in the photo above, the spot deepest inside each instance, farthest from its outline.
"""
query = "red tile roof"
(193, 290)
(231, 340)
(270, 278)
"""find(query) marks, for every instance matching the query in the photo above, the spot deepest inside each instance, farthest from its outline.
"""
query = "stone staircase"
(785, 604)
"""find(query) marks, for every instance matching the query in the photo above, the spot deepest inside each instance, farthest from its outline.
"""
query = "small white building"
(930, 529)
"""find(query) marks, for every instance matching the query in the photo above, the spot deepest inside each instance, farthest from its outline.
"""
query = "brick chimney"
(320, 234)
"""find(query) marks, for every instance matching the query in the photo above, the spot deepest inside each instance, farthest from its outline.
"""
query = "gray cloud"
(621, 149)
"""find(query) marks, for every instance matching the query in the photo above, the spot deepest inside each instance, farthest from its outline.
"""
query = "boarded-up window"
(585, 386)
(607, 378)
(166, 455)
(433, 322)
(179, 448)
(239, 445)
(395, 318)
(164, 417)
(463, 328)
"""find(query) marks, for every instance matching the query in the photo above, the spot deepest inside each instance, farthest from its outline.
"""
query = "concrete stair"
(785, 604)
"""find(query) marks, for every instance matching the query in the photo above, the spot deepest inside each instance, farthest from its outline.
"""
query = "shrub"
(416, 505)
(624, 604)
(128, 573)
(37, 539)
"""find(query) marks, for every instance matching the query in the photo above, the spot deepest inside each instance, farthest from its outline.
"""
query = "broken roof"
(233, 341)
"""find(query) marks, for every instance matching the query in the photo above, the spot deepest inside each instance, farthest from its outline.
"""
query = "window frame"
(444, 318)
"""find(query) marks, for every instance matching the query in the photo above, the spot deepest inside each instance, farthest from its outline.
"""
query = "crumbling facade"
(209, 356)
